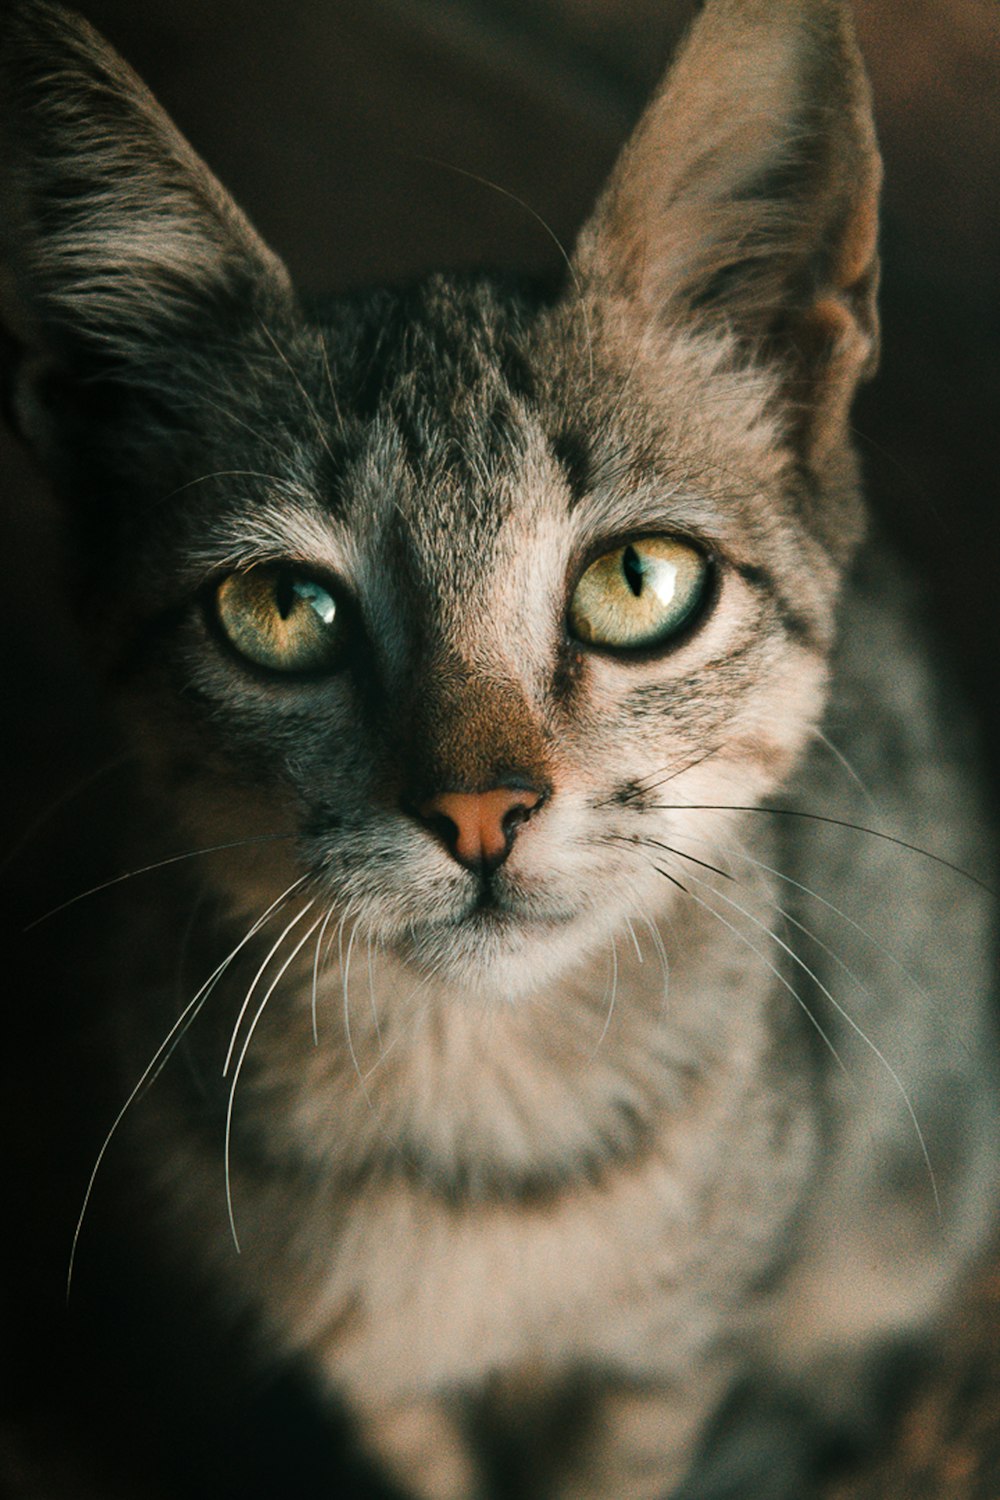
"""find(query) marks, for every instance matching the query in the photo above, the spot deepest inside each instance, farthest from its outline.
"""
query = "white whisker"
(890, 1070)
(157, 864)
(828, 820)
(371, 995)
(845, 765)
(242, 1059)
(742, 937)
(345, 980)
(402, 1032)
(306, 398)
(315, 975)
(52, 808)
(337, 412)
(611, 1002)
(664, 960)
(162, 1056)
(256, 980)
(881, 948)
(547, 228)
(635, 940)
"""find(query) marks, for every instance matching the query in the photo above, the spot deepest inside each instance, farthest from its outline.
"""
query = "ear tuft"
(113, 234)
(748, 198)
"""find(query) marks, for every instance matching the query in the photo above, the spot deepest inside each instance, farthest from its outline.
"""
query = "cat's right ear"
(117, 245)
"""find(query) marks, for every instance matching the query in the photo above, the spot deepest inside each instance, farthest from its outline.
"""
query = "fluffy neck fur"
(568, 1118)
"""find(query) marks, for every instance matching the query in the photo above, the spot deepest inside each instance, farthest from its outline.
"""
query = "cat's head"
(469, 591)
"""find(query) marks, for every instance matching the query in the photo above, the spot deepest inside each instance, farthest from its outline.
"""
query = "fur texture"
(657, 1121)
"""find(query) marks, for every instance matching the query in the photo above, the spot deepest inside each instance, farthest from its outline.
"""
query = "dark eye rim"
(326, 580)
(689, 627)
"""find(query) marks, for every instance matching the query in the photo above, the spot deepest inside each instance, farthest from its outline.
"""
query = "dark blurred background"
(337, 124)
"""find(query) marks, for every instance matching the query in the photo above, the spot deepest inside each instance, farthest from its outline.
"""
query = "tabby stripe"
(795, 625)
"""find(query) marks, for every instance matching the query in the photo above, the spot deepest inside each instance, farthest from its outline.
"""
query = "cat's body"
(554, 1091)
(558, 1205)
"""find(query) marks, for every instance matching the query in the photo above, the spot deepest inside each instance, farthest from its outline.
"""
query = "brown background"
(330, 121)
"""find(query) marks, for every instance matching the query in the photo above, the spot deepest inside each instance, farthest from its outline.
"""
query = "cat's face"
(467, 597)
(386, 581)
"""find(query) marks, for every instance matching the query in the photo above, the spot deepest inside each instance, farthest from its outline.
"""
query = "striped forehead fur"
(517, 1070)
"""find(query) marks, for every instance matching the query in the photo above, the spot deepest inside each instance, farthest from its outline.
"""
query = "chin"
(496, 952)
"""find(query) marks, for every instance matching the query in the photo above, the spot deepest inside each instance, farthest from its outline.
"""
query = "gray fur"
(692, 1095)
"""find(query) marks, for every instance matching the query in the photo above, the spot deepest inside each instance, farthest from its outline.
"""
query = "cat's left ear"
(118, 248)
(748, 199)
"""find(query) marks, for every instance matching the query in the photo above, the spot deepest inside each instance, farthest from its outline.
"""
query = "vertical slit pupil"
(285, 594)
(633, 569)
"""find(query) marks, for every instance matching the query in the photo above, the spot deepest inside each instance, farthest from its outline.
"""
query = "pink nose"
(478, 828)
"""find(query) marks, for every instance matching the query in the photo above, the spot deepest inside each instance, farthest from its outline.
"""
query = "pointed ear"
(748, 197)
(116, 241)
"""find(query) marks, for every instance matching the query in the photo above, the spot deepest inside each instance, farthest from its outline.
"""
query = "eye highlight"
(640, 594)
(277, 616)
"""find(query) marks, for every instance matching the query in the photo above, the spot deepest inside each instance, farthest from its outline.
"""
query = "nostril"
(443, 827)
(520, 812)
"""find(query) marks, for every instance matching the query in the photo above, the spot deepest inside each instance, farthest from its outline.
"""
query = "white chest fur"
(544, 1186)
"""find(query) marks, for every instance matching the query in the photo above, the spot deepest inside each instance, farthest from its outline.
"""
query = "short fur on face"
(448, 460)
(698, 365)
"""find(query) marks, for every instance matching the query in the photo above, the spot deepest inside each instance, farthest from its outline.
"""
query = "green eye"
(640, 594)
(281, 618)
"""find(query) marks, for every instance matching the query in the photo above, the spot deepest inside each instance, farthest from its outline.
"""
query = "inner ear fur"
(113, 234)
(748, 198)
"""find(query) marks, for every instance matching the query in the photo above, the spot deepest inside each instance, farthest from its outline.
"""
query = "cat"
(571, 1082)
